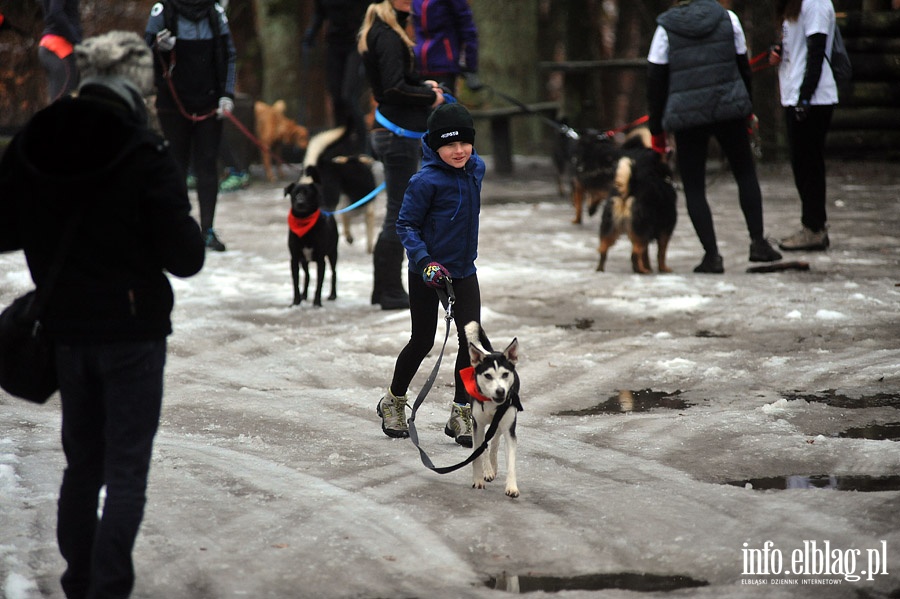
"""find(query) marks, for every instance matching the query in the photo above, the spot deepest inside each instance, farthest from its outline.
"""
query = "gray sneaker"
(393, 415)
(806, 240)
(460, 424)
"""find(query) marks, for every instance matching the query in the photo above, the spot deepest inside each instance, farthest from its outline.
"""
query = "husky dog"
(492, 383)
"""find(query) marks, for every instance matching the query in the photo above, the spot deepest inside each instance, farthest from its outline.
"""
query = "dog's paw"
(489, 476)
(512, 492)
(478, 484)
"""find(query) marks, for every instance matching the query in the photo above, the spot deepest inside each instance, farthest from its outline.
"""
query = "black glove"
(473, 82)
(801, 111)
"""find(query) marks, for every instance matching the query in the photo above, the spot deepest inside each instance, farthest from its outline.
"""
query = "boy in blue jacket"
(438, 226)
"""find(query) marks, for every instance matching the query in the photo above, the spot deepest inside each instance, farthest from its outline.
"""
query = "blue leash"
(367, 198)
(398, 130)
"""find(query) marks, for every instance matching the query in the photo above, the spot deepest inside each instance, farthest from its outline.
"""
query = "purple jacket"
(446, 37)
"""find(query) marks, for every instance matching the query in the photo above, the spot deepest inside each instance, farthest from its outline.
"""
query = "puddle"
(836, 400)
(581, 324)
(861, 483)
(628, 581)
(875, 432)
(632, 401)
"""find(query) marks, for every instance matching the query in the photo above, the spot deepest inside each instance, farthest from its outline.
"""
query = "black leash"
(447, 298)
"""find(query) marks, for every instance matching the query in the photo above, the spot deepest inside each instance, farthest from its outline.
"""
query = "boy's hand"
(434, 275)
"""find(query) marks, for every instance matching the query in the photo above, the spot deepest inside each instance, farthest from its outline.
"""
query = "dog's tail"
(476, 335)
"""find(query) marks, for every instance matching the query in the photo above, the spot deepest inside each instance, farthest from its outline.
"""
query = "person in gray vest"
(699, 87)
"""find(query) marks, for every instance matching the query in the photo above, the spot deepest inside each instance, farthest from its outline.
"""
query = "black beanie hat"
(450, 123)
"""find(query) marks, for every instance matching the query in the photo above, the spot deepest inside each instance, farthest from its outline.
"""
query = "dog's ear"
(512, 351)
(476, 354)
(289, 189)
(313, 173)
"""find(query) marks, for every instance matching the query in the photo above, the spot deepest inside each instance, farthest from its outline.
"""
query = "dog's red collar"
(301, 226)
(467, 375)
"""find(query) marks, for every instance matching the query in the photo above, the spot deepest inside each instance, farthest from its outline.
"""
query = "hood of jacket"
(60, 158)
(692, 19)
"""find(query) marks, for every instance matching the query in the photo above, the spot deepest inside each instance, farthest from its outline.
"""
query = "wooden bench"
(501, 134)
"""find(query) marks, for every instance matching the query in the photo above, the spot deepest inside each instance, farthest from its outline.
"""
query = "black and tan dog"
(312, 236)
(641, 205)
(493, 385)
(589, 159)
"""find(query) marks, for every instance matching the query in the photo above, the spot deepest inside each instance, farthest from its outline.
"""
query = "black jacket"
(401, 95)
(92, 155)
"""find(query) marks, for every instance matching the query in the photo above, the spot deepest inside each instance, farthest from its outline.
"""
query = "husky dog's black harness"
(448, 298)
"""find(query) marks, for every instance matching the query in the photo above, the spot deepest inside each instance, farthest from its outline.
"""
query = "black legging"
(693, 146)
(196, 144)
(806, 143)
(423, 309)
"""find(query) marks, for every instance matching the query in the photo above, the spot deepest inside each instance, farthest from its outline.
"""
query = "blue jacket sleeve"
(411, 220)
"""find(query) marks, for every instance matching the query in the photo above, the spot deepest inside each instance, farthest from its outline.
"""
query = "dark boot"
(388, 291)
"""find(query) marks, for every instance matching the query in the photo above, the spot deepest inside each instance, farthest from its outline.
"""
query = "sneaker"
(806, 239)
(460, 424)
(212, 242)
(762, 251)
(711, 264)
(393, 415)
(234, 181)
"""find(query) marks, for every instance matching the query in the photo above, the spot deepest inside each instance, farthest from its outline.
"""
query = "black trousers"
(196, 143)
(111, 401)
(806, 145)
(693, 146)
(423, 311)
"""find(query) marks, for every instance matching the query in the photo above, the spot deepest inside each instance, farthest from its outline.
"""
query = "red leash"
(167, 75)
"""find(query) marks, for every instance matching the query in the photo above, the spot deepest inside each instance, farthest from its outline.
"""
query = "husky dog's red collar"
(301, 225)
(467, 375)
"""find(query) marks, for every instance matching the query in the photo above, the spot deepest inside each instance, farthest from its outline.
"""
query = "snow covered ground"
(657, 410)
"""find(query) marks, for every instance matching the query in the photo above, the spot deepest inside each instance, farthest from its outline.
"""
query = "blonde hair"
(383, 10)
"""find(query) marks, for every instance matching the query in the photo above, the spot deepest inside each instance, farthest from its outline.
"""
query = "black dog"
(642, 205)
(343, 171)
(589, 159)
(313, 236)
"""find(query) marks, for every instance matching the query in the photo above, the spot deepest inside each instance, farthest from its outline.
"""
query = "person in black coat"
(344, 71)
(92, 161)
(195, 66)
(404, 103)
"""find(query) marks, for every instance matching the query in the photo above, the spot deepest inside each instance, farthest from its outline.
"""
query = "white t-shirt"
(659, 46)
(816, 16)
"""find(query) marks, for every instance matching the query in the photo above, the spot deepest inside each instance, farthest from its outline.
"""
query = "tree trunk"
(279, 29)
(508, 57)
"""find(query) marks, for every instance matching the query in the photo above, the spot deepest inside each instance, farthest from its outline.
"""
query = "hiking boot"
(235, 181)
(762, 251)
(212, 242)
(711, 264)
(460, 424)
(806, 239)
(393, 415)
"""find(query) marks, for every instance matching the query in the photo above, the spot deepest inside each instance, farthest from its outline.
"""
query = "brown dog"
(274, 130)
